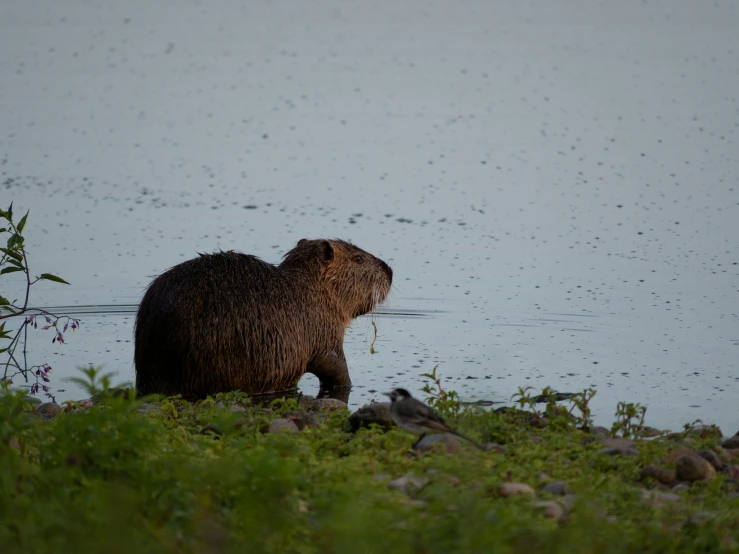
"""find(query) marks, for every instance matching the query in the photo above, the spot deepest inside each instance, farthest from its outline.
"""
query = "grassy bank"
(172, 476)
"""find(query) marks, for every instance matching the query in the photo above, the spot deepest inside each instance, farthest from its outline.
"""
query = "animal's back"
(198, 324)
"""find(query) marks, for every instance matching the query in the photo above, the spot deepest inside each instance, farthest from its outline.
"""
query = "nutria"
(230, 321)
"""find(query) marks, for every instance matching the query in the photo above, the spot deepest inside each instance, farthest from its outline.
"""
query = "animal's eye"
(359, 258)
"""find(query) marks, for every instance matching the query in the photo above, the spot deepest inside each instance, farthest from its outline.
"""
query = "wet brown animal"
(230, 321)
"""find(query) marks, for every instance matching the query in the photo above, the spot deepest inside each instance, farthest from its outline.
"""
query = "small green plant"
(14, 259)
(526, 400)
(581, 401)
(629, 420)
(445, 402)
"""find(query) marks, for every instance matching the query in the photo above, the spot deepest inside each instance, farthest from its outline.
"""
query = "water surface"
(554, 183)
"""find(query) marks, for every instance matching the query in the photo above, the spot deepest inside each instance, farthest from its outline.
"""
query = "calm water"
(555, 184)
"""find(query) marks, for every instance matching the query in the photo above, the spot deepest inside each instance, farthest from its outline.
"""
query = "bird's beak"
(387, 394)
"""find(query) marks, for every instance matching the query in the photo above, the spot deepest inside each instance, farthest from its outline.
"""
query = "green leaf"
(14, 239)
(10, 270)
(23, 222)
(4, 301)
(12, 254)
(50, 277)
(10, 211)
(16, 263)
(3, 350)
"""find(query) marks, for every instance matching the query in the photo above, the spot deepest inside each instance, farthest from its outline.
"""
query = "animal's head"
(356, 279)
(397, 395)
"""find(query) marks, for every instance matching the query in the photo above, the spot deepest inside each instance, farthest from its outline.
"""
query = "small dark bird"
(416, 417)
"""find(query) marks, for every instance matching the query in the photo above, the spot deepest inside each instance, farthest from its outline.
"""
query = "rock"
(512, 489)
(551, 509)
(453, 480)
(675, 454)
(693, 468)
(558, 488)
(664, 476)
(649, 432)
(705, 431)
(442, 442)
(711, 457)
(620, 451)
(377, 413)
(493, 447)
(49, 408)
(328, 405)
(538, 421)
(657, 498)
(408, 483)
(618, 443)
(733, 453)
(700, 518)
(236, 408)
(281, 425)
(568, 502)
(731, 442)
(301, 419)
(681, 487)
(599, 431)
(731, 471)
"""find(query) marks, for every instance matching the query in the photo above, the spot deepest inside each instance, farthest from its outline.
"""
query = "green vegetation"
(14, 259)
(172, 476)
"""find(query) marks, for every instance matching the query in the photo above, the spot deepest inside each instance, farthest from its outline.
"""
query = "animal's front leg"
(333, 373)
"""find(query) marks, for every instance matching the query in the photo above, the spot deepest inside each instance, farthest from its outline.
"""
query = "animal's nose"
(387, 269)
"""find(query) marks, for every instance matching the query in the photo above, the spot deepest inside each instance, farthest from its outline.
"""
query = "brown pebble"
(281, 425)
(301, 419)
(441, 443)
(512, 489)
(408, 483)
(551, 509)
(675, 454)
(664, 476)
(49, 408)
(657, 498)
(693, 468)
(618, 443)
(733, 453)
(731, 442)
(711, 457)
(620, 451)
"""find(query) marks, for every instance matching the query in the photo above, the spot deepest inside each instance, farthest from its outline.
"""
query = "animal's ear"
(302, 241)
(325, 251)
